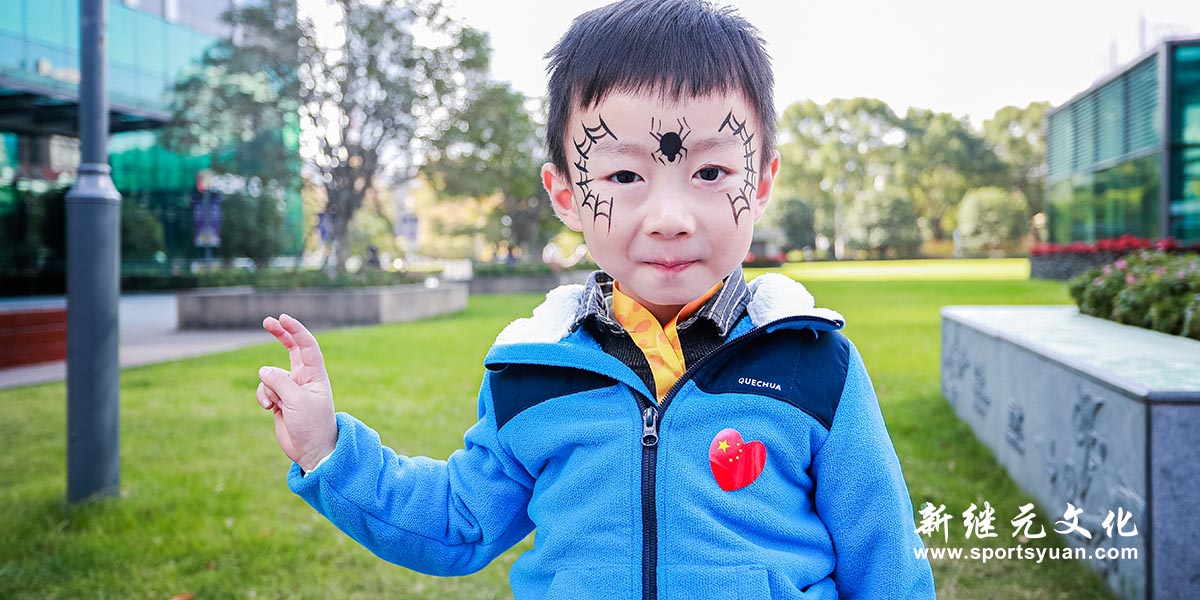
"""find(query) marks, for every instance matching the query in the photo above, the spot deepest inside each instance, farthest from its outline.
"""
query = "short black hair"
(675, 47)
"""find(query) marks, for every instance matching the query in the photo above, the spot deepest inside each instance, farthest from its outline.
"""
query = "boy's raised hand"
(301, 399)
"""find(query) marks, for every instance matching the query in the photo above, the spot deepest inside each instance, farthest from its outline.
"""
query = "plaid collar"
(722, 310)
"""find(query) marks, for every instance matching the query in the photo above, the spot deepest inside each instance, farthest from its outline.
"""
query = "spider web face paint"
(670, 144)
(592, 135)
(741, 203)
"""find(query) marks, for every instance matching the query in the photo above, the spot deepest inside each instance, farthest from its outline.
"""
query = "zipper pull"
(649, 426)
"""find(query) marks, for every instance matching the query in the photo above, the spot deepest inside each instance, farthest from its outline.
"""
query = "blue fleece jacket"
(632, 498)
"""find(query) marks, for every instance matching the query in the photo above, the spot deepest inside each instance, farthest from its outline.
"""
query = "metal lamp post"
(93, 283)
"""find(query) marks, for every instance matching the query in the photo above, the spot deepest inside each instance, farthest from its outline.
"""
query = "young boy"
(669, 430)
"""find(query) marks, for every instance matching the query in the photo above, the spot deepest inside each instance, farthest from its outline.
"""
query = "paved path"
(148, 335)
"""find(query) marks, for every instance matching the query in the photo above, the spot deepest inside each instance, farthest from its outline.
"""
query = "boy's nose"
(669, 216)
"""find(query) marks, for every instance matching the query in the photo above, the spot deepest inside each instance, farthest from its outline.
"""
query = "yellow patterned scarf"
(659, 343)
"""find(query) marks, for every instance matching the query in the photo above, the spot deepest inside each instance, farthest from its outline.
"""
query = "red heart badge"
(735, 464)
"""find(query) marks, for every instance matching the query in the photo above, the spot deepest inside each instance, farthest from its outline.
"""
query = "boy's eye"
(625, 177)
(710, 173)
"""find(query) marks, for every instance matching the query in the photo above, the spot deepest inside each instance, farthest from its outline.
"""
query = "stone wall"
(244, 307)
(525, 284)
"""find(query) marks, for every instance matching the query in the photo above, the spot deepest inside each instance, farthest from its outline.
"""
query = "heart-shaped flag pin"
(735, 463)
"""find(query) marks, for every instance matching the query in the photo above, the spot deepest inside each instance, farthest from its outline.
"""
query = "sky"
(963, 57)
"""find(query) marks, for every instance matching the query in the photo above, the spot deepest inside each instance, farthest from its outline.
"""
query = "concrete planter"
(244, 307)
(525, 284)
(1089, 412)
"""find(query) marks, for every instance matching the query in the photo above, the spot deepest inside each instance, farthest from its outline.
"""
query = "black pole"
(93, 283)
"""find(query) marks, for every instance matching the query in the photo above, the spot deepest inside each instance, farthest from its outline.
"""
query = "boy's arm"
(447, 517)
(863, 500)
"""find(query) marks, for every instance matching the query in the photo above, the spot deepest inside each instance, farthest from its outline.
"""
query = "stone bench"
(1090, 412)
(245, 307)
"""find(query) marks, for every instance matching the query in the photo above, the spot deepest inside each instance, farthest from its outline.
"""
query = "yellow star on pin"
(723, 445)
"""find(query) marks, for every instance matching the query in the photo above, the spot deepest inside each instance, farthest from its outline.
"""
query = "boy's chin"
(673, 294)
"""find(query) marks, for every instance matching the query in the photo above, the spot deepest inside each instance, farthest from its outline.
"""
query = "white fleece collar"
(772, 297)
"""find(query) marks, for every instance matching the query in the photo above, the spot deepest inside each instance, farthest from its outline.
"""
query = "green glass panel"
(151, 44)
(1085, 133)
(1082, 210)
(1110, 133)
(8, 150)
(1186, 95)
(122, 36)
(46, 22)
(12, 17)
(178, 50)
(12, 52)
(1058, 144)
(122, 83)
(1142, 106)
(150, 90)
(200, 43)
(1127, 199)
(1185, 205)
(58, 61)
(72, 24)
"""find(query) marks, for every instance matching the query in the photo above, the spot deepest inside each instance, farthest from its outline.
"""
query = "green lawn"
(206, 509)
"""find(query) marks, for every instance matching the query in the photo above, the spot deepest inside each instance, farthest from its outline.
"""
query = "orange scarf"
(659, 343)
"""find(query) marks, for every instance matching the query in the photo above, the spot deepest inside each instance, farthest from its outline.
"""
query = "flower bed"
(1155, 290)
(1064, 261)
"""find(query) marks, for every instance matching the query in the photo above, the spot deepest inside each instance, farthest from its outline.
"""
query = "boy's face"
(666, 193)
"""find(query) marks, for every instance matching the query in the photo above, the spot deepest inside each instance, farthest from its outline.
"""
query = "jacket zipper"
(651, 417)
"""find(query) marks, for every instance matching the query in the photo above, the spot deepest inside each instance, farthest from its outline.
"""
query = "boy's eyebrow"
(620, 148)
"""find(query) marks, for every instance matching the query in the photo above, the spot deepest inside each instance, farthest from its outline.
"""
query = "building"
(1123, 157)
(150, 43)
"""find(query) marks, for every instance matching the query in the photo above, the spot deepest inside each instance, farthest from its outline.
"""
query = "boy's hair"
(674, 47)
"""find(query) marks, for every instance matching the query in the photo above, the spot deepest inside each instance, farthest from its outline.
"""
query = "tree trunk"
(935, 227)
(343, 202)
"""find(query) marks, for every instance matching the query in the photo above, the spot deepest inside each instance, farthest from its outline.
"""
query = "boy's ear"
(766, 182)
(558, 186)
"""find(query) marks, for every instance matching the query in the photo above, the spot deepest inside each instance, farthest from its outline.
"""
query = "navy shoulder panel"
(517, 387)
(797, 366)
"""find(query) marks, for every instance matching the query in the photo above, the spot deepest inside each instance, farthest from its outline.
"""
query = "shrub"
(991, 218)
(1155, 290)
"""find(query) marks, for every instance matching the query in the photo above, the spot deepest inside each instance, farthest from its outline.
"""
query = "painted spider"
(670, 144)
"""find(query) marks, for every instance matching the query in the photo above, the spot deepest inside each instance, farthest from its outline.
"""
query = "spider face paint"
(592, 135)
(670, 144)
(741, 202)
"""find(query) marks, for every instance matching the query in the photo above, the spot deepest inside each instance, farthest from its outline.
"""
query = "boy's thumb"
(279, 381)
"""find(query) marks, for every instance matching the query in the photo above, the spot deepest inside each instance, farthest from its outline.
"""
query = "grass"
(205, 509)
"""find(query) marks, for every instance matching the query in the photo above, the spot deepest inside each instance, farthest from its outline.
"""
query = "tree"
(357, 87)
(251, 227)
(494, 147)
(1016, 135)
(884, 221)
(836, 152)
(141, 231)
(991, 218)
(941, 160)
(796, 221)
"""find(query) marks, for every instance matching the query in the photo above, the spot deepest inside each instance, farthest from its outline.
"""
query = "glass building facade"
(1123, 157)
(150, 44)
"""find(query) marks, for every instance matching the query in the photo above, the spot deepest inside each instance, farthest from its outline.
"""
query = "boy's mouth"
(671, 266)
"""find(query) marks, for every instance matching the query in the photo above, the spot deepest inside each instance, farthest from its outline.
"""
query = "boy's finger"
(261, 394)
(271, 324)
(310, 351)
(267, 396)
(280, 382)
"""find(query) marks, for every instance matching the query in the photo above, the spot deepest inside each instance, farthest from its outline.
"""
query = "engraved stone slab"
(1093, 413)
